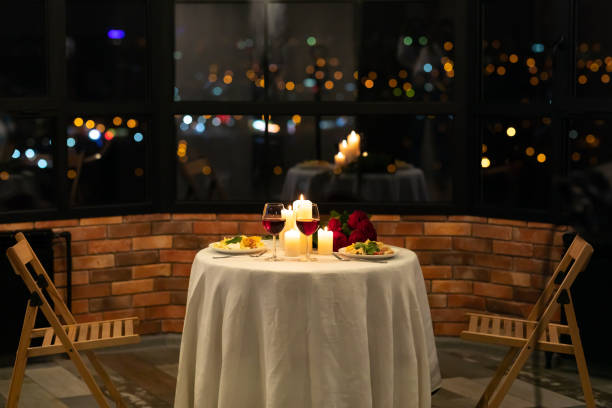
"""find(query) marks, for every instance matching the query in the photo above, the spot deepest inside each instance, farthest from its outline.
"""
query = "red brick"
(89, 317)
(449, 329)
(137, 258)
(452, 258)
(125, 313)
(80, 306)
(466, 301)
(239, 217)
(93, 262)
(428, 243)
(437, 300)
(91, 291)
(436, 272)
(471, 273)
(493, 261)
(539, 281)
(193, 241)
(385, 217)
(501, 221)
(423, 217)
(532, 265)
(214, 227)
(181, 269)
(150, 299)
(194, 217)
(149, 327)
(399, 228)
(180, 283)
(132, 286)
(110, 303)
(511, 278)
(152, 242)
(536, 236)
(60, 279)
(172, 326)
(173, 227)
(109, 246)
(102, 220)
(425, 257)
(508, 307)
(17, 226)
(78, 248)
(59, 264)
(547, 252)
(252, 228)
(492, 231)
(55, 224)
(395, 241)
(513, 248)
(178, 298)
(448, 315)
(87, 233)
(80, 277)
(177, 255)
(146, 217)
(148, 271)
(533, 224)
(527, 295)
(558, 238)
(448, 228)
(165, 312)
(129, 230)
(451, 286)
(493, 290)
(472, 244)
(468, 218)
(108, 275)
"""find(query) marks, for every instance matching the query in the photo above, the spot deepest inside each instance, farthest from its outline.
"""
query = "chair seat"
(86, 336)
(514, 332)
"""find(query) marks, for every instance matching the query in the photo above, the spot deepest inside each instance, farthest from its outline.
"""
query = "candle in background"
(289, 223)
(292, 242)
(343, 148)
(353, 142)
(326, 241)
(340, 159)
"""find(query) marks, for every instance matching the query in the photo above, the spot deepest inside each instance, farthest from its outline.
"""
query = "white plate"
(342, 251)
(237, 251)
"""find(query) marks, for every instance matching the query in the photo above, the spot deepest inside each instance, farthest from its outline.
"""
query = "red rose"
(368, 230)
(334, 225)
(356, 236)
(340, 240)
(355, 218)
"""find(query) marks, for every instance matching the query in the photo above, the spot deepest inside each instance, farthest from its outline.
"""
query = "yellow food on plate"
(239, 242)
(368, 248)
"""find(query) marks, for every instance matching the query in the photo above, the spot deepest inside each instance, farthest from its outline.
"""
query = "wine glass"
(273, 221)
(307, 220)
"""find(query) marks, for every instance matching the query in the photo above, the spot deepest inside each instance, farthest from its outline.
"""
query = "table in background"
(307, 334)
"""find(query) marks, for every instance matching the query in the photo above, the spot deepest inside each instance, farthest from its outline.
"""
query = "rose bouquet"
(349, 229)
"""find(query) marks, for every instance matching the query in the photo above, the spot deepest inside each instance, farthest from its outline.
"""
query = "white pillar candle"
(340, 159)
(292, 242)
(326, 242)
(289, 223)
(302, 208)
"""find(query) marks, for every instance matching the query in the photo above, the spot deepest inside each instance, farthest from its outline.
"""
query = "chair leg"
(22, 356)
(497, 377)
(583, 371)
(501, 392)
(106, 379)
(88, 378)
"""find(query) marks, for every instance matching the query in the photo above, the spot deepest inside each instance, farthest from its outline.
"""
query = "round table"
(306, 334)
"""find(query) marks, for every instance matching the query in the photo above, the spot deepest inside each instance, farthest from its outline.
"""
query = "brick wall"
(139, 264)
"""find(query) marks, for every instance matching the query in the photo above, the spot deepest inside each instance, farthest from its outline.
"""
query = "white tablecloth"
(306, 334)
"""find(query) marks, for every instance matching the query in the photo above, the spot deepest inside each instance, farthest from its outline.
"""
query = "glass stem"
(274, 243)
(307, 249)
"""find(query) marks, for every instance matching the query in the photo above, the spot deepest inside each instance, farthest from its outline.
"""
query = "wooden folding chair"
(70, 337)
(523, 336)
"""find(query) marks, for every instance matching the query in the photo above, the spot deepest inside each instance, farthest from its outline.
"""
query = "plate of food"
(240, 244)
(367, 250)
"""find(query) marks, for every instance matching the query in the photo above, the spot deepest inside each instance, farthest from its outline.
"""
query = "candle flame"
(340, 155)
(301, 196)
(325, 229)
(344, 144)
(290, 208)
(352, 137)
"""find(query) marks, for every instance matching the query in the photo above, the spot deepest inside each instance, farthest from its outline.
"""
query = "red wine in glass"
(273, 225)
(307, 226)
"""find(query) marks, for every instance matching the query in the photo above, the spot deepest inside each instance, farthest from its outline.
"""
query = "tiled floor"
(145, 375)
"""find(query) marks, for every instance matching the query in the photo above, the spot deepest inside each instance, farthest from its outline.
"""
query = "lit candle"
(292, 242)
(353, 142)
(302, 208)
(326, 241)
(344, 149)
(340, 159)
(289, 223)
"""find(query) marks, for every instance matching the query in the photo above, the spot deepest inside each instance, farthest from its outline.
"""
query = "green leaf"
(234, 240)
(346, 229)
(334, 214)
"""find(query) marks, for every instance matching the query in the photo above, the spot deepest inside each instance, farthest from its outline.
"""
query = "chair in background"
(523, 336)
(69, 337)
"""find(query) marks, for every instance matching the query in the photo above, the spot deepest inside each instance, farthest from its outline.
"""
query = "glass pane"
(516, 159)
(218, 52)
(590, 144)
(408, 51)
(26, 163)
(106, 50)
(593, 49)
(518, 49)
(22, 49)
(107, 160)
(311, 51)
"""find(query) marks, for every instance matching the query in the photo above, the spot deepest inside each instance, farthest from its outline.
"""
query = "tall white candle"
(292, 242)
(326, 241)
(302, 208)
(289, 223)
